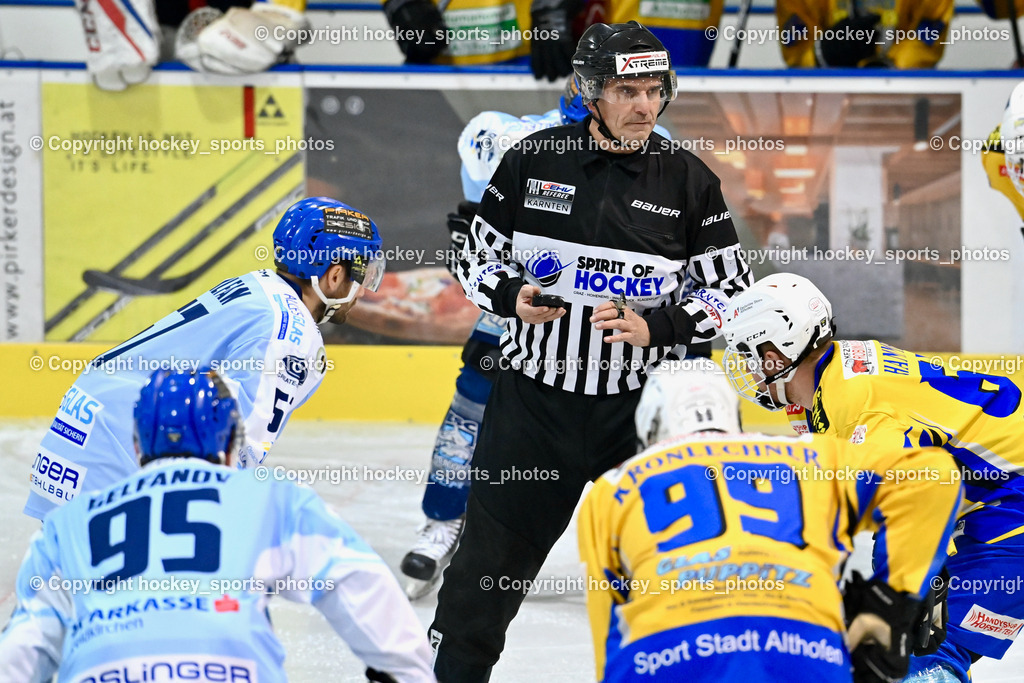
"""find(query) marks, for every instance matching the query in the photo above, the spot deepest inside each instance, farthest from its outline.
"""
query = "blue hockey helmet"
(316, 233)
(570, 104)
(186, 414)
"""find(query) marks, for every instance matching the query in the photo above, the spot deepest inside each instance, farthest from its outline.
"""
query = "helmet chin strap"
(780, 379)
(780, 389)
(332, 304)
(601, 127)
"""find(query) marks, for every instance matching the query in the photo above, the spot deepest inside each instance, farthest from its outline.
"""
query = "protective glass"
(633, 89)
(365, 271)
(369, 271)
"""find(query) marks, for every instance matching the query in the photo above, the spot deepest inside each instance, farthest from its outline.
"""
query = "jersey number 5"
(131, 521)
(692, 492)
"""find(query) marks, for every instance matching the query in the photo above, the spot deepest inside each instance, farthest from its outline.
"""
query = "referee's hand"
(535, 314)
(632, 327)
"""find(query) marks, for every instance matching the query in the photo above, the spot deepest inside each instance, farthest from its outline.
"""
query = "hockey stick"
(150, 283)
(264, 219)
(125, 286)
(146, 287)
(741, 25)
(151, 241)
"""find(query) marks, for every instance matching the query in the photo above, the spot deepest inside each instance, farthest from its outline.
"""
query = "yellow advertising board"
(153, 195)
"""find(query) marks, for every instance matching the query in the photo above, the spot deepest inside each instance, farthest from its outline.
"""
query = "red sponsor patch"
(226, 604)
(713, 314)
(860, 432)
(981, 620)
(858, 358)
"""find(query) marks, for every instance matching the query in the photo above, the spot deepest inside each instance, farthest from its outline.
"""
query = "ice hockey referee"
(605, 247)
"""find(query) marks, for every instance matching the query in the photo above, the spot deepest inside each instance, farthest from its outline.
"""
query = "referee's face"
(630, 107)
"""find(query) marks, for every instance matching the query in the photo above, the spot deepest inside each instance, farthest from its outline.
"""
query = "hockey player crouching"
(186, 517)
(1003, 154)
(780, 349)
(714, 555)
(260, 328)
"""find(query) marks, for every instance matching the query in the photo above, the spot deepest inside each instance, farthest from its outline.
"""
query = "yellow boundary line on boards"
(366, 383)
(370, 383)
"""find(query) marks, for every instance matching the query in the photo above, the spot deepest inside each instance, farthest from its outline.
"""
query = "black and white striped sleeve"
(722, 274)
(717, 270)
(489, 274)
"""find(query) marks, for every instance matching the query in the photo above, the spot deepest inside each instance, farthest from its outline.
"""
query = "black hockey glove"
(552, 45)
(931, 628)
(378, 676)
(458, 231)
(880, 628)
(422, 35)
(850, 41)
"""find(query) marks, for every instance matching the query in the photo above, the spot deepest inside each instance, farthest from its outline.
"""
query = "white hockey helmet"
(682, 397)
(785, 310)
(1011, 131)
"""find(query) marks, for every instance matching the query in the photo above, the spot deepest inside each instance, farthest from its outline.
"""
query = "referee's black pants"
(538, 448)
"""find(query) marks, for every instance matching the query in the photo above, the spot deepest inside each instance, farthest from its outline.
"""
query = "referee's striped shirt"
(590, 226)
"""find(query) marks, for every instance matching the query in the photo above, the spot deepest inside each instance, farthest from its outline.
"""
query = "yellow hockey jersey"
(881, 396)
(494, 31)
(912, 31)
(681, 25)
(797, 417)
(1000, 9)
(685, 14)
(486, 31)
(733, 544)
(994, 162)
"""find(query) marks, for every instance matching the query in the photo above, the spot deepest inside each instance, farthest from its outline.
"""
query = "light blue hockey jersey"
(166, 575)
(253, 329)
(490, 134)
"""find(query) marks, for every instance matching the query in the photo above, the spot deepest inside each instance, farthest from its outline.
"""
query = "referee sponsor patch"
(546, 195)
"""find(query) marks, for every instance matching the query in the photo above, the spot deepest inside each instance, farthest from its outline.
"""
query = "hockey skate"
(433, 551)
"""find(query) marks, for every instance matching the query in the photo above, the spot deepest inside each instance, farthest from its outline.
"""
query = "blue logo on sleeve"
(55, 478)
(76, 416)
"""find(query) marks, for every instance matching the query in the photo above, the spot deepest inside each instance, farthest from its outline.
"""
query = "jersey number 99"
(692, 492)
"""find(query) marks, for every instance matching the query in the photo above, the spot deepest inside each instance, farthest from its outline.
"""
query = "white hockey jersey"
(253, 329)
(166, 576)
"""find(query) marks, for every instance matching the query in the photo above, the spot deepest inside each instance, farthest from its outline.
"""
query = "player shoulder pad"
(294, 325)
(490, 134)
